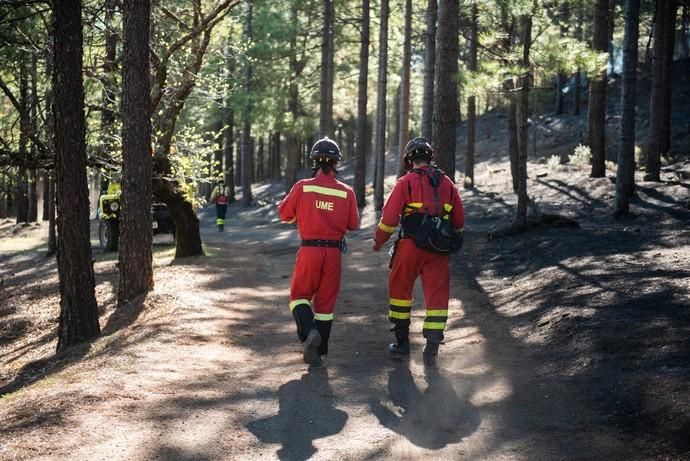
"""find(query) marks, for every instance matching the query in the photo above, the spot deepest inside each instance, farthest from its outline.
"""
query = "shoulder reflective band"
(386, 228)
(325, 191)
(297, 302)
(323, 317)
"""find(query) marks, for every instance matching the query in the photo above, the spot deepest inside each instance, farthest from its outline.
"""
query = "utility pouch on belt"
(432, 232)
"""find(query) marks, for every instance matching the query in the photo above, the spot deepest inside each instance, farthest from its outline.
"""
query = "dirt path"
(209, 367)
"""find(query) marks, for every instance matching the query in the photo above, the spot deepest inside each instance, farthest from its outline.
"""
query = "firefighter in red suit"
(415, 194)
(324, 210)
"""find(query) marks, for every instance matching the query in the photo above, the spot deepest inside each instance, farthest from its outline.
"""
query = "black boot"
(402, 345)
(304, 319)
(324, 329)
(430, 353)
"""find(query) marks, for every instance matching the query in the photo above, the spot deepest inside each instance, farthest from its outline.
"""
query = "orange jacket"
(413, 193)
(323, 207)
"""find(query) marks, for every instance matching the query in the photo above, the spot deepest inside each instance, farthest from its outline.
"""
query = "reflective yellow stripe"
(296, 302)
(326, 191)
(437, 313)
(434, 325)
(385, 228)
(414, 205)
(399, 315)
(448, 207)
(323, 316)
(400, 302)
(292, 221)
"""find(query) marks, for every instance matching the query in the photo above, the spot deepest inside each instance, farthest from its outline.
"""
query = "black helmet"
(417, 148)
(325, 149)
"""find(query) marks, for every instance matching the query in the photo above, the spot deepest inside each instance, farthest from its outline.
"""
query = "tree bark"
(247, 170)
(52, 224)
(22, 190)
(404, 130)
(685, 24)
(513, 149)
(275, 165)
(625, 172)
(361, 149)
(381, 107)
(78, 308)
(446, 87)
(260, 160)
(228, 144)
(109, 90)
(326, 127)
(669, 42)
(596, 117)
(471, 103)
(520, 222)
(136, 236)
(653, 163)
(429, 65)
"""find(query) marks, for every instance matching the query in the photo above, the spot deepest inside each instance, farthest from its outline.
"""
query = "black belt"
(322, 243)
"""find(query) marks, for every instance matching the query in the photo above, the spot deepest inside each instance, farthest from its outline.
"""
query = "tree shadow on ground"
(307, 412)
(431, 418)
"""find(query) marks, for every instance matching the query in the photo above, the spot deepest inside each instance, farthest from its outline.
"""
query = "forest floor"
(562, 343)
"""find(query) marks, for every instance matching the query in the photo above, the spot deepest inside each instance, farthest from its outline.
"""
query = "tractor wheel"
(108, 234)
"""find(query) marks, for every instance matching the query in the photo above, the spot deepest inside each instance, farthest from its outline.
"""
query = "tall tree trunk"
(394, 121)
(471, 103)
(596, 117)
(513, 148)
(78, 308)
(684, 52)
(247, 170)
(523, 128)
(404, 135)
(136, 236)
(3, 196)
(656, 109)
(361, 150)
(611, 28)
(238, 158)
(669, 42)
(625, 173)
(260, 160)
(429, 65)
(32, 212)
(228, 144)
(445, 86)
(22, 183)
(293, 154)
(381, 107)
(275, 170)
(109, 89)
(577, 94)
(52, 224)
(326, 127)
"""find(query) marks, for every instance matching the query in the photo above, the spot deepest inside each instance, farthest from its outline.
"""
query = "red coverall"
(324, 209)
(413, 193)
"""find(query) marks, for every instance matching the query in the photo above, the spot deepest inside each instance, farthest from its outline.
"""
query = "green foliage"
(581, 156)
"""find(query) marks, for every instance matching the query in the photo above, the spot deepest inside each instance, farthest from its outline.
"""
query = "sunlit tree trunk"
(247, 170)
(380, 151)
(429, 65)
(362, 137)
(326, 127)
(625, 173)
(445, 86)
(78, 308)
(404, 130)
(136, 235)
(523, 128)
(596, 117)
(471, 102)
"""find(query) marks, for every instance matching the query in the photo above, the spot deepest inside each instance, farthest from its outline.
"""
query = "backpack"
(431, 232)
